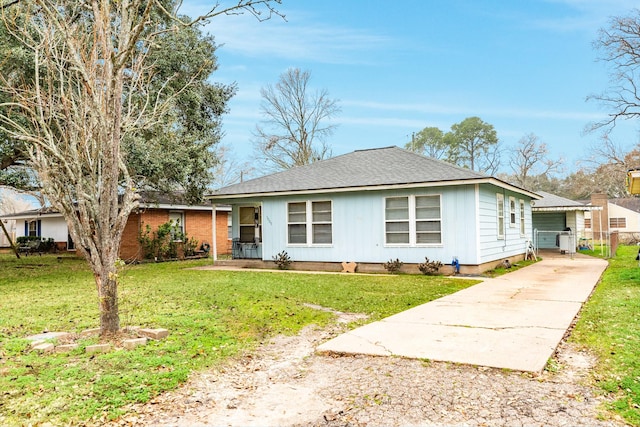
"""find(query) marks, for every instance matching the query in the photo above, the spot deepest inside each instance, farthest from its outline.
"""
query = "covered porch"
(245, 231)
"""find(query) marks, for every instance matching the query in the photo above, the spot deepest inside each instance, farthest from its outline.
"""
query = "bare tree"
(88, 95)
(620, 45)
(228, 170)
(609, 162)
(295, 128)
(529, 159)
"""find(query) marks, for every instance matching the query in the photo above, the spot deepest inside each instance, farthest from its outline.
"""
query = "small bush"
(282, 260)
(393, 266)
(167, 242)
(429, 268)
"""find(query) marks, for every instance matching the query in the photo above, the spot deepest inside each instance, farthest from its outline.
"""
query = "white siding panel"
(55, 228)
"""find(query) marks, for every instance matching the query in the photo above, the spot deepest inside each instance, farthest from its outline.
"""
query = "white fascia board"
(175, 207)
(230, 198)
(566, 208)
(32, 216)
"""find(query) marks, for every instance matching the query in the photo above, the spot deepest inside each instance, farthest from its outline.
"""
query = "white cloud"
(588, 15)
(294, 39)
(475, 110)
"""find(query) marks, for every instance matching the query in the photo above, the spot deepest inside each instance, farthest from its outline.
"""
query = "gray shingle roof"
(552, 201)
(362, 168)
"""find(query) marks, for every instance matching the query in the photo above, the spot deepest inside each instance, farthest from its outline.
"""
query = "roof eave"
(565, 208)
(471, 181)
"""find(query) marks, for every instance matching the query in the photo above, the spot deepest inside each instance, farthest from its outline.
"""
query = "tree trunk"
(13, 245)
(107, 285)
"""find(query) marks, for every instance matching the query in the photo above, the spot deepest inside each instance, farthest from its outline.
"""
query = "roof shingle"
(362, 168)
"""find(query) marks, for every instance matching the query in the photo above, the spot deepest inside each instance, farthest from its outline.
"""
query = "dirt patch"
(285, 383)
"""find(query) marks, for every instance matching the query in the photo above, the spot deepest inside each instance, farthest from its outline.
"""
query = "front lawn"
(211, 315)
(609, 325)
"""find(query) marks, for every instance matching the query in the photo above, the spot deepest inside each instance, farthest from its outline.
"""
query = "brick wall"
(129, 246)
(222, 234)
(197, 225)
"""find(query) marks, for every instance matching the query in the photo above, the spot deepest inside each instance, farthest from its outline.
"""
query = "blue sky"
(396, 67)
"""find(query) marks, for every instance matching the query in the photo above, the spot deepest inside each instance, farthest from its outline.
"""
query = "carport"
(555, 219)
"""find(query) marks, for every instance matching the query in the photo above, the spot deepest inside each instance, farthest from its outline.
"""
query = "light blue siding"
(358, 228)
(468, 215)
(491, 247)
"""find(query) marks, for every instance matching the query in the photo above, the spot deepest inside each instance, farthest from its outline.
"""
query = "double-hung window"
(512, 211)
(396, 214)
(500, 214)
(413, 220)
(32, 228)
(310, 222)
(523, 230)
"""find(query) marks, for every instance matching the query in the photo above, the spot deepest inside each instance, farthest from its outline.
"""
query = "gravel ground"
(285, 383)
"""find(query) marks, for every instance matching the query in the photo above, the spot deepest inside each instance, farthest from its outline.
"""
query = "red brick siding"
(222, 234)
(197, 225)
(129, 246)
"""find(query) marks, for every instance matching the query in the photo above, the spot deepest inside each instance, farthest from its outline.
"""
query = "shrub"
(429, 268)
(282, 260)
(393, 266)
(164, 242)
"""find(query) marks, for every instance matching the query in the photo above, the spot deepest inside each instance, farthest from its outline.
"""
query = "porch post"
(214, 243)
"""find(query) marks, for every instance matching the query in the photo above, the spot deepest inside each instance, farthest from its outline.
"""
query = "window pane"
(429, 238)
(428, 213)
(247, 233)
(321, 211)
(246, 215)
(397, 208)
(297, 233)
(427, 201)
(398, 227)
(397, 202)
(397, 238)
(298, 212)
(322, 233)
(397, 232)
(428, 226)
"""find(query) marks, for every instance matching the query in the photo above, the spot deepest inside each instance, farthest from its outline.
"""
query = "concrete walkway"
(515, 321)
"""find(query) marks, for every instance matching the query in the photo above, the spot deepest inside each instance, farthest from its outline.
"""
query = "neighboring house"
(553, 215)
(620, 214)
(372, 206)
(195, 221)
(10, 226)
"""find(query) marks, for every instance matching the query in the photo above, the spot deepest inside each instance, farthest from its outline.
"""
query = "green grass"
(211, 315)
(609, 325)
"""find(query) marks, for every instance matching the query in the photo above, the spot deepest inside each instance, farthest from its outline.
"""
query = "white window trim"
(523, 224)
(412, 223)
(499, 201)
(309, 223)
(512, 212)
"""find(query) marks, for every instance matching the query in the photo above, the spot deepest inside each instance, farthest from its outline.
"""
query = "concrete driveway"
(515, 321)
